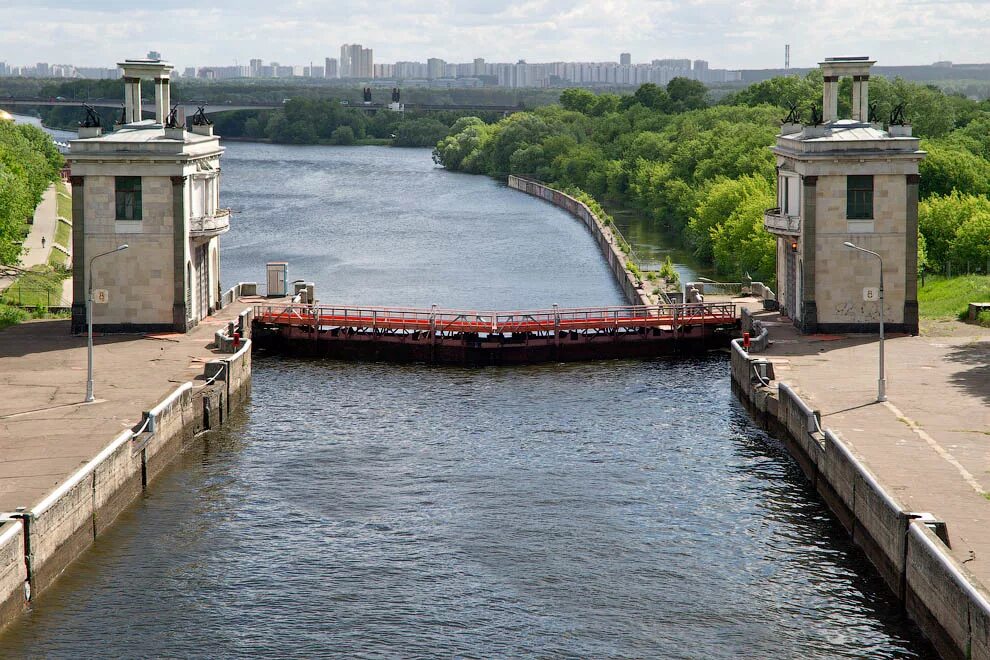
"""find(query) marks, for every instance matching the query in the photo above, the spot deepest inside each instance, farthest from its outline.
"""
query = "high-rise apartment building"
(330, 68)
(356, 62)
(625, 58)
(435, 68)
(255, 66)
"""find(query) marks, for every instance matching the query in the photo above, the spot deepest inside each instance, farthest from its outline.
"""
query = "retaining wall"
(13, 569)
(614, 256)
(35, 549)
(947, 603)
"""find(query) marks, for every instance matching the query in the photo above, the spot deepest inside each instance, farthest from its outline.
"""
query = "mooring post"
(556, 324)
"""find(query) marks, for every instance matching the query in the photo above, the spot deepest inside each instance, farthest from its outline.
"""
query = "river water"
(614, 509)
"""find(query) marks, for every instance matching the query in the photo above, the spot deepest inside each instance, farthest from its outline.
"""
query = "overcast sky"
(727, 33)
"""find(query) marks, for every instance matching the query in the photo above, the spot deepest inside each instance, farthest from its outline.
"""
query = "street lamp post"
(89, 323)
(882, 382)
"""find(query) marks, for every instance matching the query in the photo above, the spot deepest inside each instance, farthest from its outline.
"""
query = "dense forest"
(703, 169)
(29, 163)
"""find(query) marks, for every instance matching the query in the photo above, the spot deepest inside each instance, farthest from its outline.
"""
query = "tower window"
(859, 197)
(127, 192)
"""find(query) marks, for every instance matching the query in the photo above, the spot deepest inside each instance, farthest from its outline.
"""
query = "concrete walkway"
(929, 444)
(46, 432)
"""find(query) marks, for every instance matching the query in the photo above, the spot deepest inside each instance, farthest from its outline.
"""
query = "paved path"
(46, 432)
(45, 221)
(929, 444)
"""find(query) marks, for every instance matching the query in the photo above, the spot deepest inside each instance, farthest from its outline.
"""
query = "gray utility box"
(277, 278)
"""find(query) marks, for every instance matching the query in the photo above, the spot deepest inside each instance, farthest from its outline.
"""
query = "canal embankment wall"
(616, 259)
(38, 543)
(948, 603)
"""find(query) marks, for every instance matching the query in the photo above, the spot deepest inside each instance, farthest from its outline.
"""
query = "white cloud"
(728, 33)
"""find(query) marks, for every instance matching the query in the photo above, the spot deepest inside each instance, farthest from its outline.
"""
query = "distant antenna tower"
(787, 56)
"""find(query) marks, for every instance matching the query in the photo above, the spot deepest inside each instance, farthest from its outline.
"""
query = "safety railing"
(495, 322)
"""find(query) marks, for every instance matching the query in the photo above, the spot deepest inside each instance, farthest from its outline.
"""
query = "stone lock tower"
(846, 180)
(154, 186)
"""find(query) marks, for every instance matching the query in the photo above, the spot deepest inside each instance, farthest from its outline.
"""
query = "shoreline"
(56, 515)
(886, 479)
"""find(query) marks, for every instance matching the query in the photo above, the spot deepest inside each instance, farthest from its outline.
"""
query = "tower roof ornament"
(200, 118)
(92, 119)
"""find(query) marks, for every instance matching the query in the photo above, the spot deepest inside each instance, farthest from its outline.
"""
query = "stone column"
(132, 99)
(911, 257)
(830, 99)
(179, 240)
(864, 98)
(855, 98)
(79, 273)
(861, 98)
(806, 296)
(162, 100)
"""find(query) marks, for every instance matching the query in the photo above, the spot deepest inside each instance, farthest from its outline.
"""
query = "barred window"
(127, 191)
(859, 197)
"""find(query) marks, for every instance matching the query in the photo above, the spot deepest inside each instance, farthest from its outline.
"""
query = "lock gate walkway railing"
(492, 337)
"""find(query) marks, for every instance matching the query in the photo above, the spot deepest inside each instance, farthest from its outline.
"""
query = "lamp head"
(850, 245)
(121, 247)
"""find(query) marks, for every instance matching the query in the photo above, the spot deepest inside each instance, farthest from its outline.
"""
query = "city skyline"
(749, 35)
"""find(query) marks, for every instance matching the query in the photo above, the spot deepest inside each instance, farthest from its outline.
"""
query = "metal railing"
(437, 320)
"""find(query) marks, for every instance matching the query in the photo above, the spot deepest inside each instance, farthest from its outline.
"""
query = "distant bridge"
(188, 108)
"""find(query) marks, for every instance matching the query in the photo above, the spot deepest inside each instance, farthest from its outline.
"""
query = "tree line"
(29, 163)
(704, 171)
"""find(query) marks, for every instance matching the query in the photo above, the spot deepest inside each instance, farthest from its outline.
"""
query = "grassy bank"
(948, 298)
(39, 287)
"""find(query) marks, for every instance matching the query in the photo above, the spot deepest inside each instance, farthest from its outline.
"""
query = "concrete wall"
(948, 604)
(13, 570)
(60, 528)
(613, 255)
(944, 599)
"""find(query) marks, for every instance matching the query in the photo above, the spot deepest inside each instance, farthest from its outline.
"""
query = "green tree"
(686, 94)
(940, 218)
(971, 247)
(740, 245)
(649, 96)
(422, 132)
(950, 166)
(343, 135)
(578, 100)
(718, 204)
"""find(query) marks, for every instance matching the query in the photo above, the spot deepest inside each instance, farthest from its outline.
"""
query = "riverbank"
(618, 262)
(68, 468)
(908, 477)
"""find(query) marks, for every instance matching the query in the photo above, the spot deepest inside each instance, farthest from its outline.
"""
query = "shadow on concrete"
(786, 340)
(35, 337)
(976, 379)
(850, 408)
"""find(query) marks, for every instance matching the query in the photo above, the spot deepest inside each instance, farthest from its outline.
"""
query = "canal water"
(604, 510)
